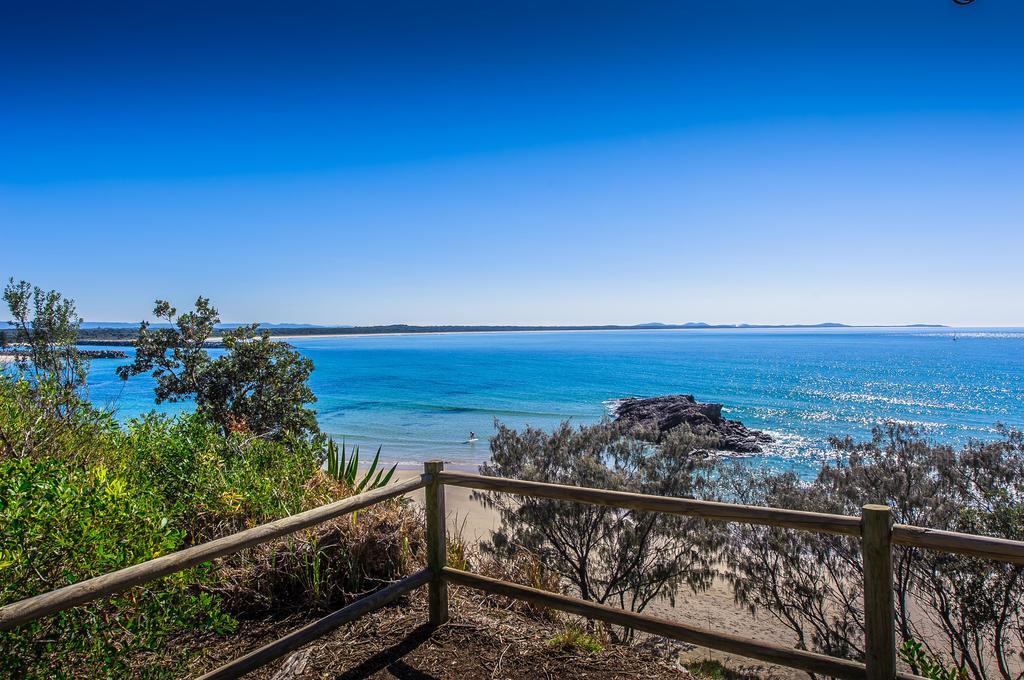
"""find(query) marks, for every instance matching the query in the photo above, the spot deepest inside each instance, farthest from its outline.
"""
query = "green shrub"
(212, 485)
(916, 656)
(269, 479)
(63, 524)
(576, 640)
(80, 496)
(33, 423)
(179, 460)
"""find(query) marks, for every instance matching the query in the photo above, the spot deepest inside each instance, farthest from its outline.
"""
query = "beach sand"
(713, 610)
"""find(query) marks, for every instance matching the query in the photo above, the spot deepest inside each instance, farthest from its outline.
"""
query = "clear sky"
(518, 162)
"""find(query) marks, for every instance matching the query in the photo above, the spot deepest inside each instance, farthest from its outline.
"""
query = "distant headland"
(114, 333)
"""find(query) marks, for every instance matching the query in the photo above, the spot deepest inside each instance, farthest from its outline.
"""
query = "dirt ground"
(480, 641)
(715, 609)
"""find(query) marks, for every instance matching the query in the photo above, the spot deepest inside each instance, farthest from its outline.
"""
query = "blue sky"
(596, 162)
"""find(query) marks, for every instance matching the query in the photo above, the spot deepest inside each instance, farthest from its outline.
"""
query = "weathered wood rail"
(874, 529)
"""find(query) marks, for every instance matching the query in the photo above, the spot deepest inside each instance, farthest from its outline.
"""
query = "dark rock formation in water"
(674, 410)
(103, 354)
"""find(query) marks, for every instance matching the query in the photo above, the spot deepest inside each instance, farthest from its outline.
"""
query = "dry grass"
(487, 637)
(325, 566)
(282, 586)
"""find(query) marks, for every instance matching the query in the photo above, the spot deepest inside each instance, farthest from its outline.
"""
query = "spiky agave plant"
(346, 470)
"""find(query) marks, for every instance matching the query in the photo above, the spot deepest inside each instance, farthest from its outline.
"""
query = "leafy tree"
(979, 604)
(51, 373)
(965, 610)
(808, 582)
(606, 555)
(257, 386)
(47, 324)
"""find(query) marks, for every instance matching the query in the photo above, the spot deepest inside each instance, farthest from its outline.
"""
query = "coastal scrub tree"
(965, 611)
(46, 323)
(257, 386)
(50, 375)
(606, 555)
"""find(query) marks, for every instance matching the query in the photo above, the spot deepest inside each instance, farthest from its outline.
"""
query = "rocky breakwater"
(103, 354)
(19, 353)
(668, 412)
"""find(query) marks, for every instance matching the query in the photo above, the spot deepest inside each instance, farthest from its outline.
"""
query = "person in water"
(472, 435)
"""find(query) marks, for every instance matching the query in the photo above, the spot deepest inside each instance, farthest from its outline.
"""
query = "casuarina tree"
(965, 612)
(606, 555)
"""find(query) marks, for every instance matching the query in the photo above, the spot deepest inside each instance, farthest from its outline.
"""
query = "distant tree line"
(108, 336)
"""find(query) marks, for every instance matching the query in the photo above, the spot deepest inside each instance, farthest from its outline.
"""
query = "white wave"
(794, 446)
(867, 398)
(611, 406)
(1002, 335)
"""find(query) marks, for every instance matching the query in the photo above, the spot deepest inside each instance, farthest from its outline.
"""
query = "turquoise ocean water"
(420, 395)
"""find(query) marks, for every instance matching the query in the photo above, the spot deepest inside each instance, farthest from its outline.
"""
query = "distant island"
(118, 333)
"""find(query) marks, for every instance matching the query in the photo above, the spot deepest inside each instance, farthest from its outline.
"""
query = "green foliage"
(914, 654)
(607, 555)
(85, 497)
(81, 496)
(458, 548)
(956, 606)
(39, 419)
(211, 484)
(346, 471)
(47, 325)
(257, 387)
(69, 517)
(576, 640)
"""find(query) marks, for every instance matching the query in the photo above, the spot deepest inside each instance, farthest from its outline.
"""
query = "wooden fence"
(873, 528)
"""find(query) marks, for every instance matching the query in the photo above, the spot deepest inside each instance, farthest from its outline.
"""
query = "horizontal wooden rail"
(30, 609)
(1000, 549)
(274, 650)
(730, 512)
(724, 642)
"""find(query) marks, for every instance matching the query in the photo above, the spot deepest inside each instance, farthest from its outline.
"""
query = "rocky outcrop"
(666, 413)
(103, 354)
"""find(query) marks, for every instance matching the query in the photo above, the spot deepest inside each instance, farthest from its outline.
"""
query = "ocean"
(419, 396)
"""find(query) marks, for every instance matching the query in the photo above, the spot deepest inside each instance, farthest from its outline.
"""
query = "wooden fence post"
(437, 544)
(879, 611)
